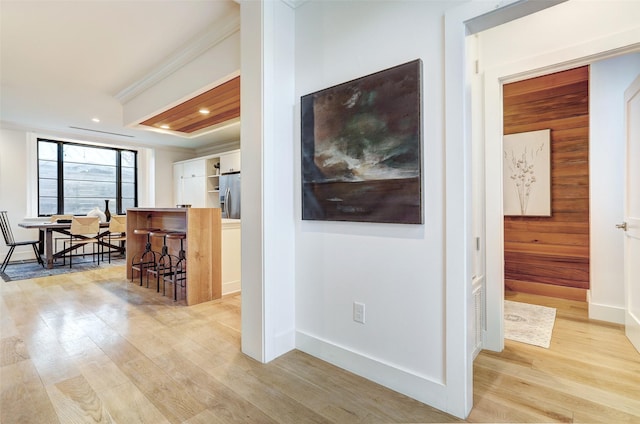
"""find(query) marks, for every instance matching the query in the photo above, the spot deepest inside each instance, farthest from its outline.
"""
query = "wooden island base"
(203, 245)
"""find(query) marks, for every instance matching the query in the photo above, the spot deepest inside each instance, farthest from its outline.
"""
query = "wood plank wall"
(550, 255)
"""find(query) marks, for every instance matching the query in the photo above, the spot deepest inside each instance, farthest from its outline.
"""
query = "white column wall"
(268, 246)
(278, 184)
(251, 134)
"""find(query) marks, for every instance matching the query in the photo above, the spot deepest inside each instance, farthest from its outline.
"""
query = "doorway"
(546, 249)
(494, 78)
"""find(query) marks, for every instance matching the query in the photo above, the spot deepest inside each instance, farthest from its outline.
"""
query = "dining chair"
(117, 233)
(12, 244)
(59, 218)
(84, 230)
(56, 218)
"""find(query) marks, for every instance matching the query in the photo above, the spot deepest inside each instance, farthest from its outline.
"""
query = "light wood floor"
(91, 347)
(589, 374)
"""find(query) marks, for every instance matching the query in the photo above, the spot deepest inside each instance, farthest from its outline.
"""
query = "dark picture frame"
(362, 149)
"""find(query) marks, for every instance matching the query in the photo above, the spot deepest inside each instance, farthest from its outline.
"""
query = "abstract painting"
(361, 149)
(527, 173)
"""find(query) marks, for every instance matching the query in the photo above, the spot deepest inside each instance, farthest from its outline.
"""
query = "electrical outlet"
(358, 312)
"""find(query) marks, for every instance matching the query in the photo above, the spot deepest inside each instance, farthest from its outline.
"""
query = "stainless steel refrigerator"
(230, 195)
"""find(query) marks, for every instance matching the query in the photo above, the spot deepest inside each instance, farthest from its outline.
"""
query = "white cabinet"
(194, 168)
(178, 170)
(231, 251)
(194, 193)
(230, 162)
(189, 179)
(196, 182)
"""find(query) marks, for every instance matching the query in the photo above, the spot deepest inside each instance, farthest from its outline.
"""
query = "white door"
(631, 224)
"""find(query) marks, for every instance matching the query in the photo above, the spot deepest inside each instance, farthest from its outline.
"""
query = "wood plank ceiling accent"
(550, 255)
(222, 103)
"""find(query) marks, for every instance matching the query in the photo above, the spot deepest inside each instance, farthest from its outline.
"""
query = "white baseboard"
(230, 287)
(403, 381)
(632, 330)
(614, 314)
(282, 343)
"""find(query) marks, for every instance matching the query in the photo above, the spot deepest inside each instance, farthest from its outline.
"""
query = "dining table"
(47, 230)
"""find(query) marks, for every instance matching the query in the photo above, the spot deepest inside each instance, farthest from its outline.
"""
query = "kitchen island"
(203, 245)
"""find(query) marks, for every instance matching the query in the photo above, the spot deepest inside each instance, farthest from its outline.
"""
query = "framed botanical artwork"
(527, 173)
(361, 149)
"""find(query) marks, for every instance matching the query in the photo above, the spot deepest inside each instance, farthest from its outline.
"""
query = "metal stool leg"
(161, 262)
(179, 272)
(147, 258)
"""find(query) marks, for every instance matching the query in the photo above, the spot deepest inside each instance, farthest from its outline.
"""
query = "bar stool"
(163, 262)
(178, 274)
(147, 258)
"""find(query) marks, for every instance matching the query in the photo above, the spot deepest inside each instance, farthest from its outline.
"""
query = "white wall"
(567, 35)
(608, 81)
(13, 193)
(397, 271)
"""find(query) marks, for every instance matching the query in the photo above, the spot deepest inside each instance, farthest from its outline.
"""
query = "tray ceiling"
(212, 108)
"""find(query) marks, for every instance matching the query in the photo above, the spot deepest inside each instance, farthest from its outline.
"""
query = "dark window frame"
(60, 174)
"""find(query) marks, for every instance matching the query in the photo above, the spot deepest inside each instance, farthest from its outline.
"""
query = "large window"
(75, 178)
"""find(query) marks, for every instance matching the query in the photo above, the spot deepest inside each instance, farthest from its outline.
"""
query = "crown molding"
(219, 147)
(195, 48)
(294, 3)
(291, 3)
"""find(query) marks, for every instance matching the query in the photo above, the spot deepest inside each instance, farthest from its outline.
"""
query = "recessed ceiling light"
(165, 127)
(95, 119)
(204, 111)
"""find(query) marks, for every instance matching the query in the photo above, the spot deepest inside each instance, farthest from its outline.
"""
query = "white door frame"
(459, 304)
(570, 57)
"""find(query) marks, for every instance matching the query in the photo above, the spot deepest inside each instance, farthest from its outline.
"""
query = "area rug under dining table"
(32, 269)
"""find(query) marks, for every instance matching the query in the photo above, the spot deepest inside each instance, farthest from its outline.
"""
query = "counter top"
(158, 209)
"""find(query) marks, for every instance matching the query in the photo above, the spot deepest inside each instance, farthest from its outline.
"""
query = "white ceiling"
(64, 62)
